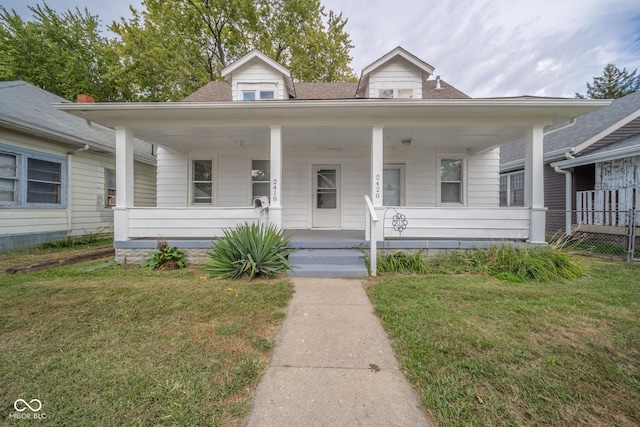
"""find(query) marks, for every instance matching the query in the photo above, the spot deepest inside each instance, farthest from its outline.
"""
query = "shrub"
(165, 257)
(400, 262)
(249, 250)
(72, 241)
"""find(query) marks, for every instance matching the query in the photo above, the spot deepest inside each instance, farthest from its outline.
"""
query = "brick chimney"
(84, 99)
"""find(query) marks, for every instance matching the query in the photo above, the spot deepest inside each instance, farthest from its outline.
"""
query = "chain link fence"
(611, 233)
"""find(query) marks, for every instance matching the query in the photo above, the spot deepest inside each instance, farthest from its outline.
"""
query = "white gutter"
(568, 125)
(598, 157)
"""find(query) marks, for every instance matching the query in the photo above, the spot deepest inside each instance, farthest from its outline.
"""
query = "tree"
(612, 84)
(175, 46)
(64, 54)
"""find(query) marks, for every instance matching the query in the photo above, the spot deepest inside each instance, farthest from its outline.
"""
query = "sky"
(485, 48)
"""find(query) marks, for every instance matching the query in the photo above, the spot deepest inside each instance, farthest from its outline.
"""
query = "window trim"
(508, 176)
(214, 180)
(403, 188)
(22, 158)
(251, 181)
(463, 182)
(106, 188)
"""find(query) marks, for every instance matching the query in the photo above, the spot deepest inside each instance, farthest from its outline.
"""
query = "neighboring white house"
(57, 171)
(331, 156)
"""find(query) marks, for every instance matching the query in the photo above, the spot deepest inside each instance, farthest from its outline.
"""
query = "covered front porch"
(419, 173)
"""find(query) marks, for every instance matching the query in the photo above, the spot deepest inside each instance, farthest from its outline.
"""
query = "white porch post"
(377, 167)
(275, 208)
(124, 182)
(534, 181)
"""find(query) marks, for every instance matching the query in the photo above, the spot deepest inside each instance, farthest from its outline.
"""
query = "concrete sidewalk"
(333, 365)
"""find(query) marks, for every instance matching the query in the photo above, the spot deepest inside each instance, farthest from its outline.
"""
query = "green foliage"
(61, 53)
(503, 262)
(71, 241)
(613, 84)
(249, 250)
(165, 257)
(400, 262)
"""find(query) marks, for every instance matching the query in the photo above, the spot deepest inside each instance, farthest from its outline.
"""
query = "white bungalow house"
(58, 172)
(331, 159)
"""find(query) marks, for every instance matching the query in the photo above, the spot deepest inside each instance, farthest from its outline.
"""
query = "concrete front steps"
(324, 263)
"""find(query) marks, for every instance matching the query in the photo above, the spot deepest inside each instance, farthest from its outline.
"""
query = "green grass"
(125, 346)
(554, 353)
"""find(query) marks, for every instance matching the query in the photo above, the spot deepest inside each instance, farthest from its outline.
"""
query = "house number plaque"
(377, 192)
(274, 186)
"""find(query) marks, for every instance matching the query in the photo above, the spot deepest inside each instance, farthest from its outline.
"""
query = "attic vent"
(438, 86)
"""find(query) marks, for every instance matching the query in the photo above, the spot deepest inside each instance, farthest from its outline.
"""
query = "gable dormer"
(398, 74)
(256, 77)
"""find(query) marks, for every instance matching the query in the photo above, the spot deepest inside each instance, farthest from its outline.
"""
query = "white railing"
(372, 233)
(605, 207)
(459, 223)
(192, 222)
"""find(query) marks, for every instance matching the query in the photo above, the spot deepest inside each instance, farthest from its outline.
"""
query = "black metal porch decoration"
(399, 222)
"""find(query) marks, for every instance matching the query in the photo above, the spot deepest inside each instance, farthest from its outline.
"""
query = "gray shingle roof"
(586, 127)
(221, 91)
(27, 109)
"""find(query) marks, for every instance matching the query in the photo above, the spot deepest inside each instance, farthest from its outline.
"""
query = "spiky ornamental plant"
(249, 250)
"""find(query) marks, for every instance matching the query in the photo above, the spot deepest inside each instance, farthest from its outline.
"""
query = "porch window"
(260, 178)
(44, 181)
(512, 189)
(451, 180)
(8, 177)
(110, 185)
(202, 181)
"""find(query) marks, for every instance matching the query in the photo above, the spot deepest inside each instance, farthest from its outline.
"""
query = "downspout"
(568, 125)
(568, 200)
(70, 186)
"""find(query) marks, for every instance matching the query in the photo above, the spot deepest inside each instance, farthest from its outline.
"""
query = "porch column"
(377, 167)
(534, 181)
(275, 205)
(124, 182)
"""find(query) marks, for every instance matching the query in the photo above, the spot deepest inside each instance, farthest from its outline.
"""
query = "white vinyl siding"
(483, 171)
(397, 75)
(172, 179)
(256, 76)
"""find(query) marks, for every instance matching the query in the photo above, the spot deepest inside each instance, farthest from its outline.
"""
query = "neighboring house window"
(260, 172)
(512, 189)
(44, 181)
(31, 179)
(395, 93)
(8, 178)
(202, 181)
(451, 180)
(110, 184)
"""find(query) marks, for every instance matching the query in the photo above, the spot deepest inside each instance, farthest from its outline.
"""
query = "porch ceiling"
(472, 124)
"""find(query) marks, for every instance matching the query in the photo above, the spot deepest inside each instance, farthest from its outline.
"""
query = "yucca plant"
(249, 250)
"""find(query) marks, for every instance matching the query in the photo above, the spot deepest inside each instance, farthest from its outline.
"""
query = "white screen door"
(326, 196)
(393, 180)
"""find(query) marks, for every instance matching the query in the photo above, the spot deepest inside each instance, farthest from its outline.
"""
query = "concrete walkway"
(333, 365)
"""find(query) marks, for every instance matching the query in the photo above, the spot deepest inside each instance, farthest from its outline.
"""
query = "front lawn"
(482, 351)
(125, 346)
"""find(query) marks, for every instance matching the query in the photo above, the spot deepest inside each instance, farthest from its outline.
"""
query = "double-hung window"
(30, 179)
(260, 172)
(110, 181)
(257, 91)
(202, 181)
(8, 178)
(451, 180)
(512, 189)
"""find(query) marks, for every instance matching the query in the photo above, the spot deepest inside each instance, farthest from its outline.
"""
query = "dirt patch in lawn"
(38, 259)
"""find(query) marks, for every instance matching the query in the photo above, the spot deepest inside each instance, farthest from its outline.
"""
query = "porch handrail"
(373, 221)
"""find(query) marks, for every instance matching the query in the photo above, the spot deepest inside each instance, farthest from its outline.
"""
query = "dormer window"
(257, 92)
(395, 93)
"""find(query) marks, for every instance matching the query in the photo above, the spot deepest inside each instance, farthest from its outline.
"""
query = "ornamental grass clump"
(248, 251)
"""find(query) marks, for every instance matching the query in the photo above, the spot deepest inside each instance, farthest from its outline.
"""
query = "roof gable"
(252, 57)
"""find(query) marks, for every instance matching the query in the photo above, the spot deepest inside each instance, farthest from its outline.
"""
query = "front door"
(326, 196)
